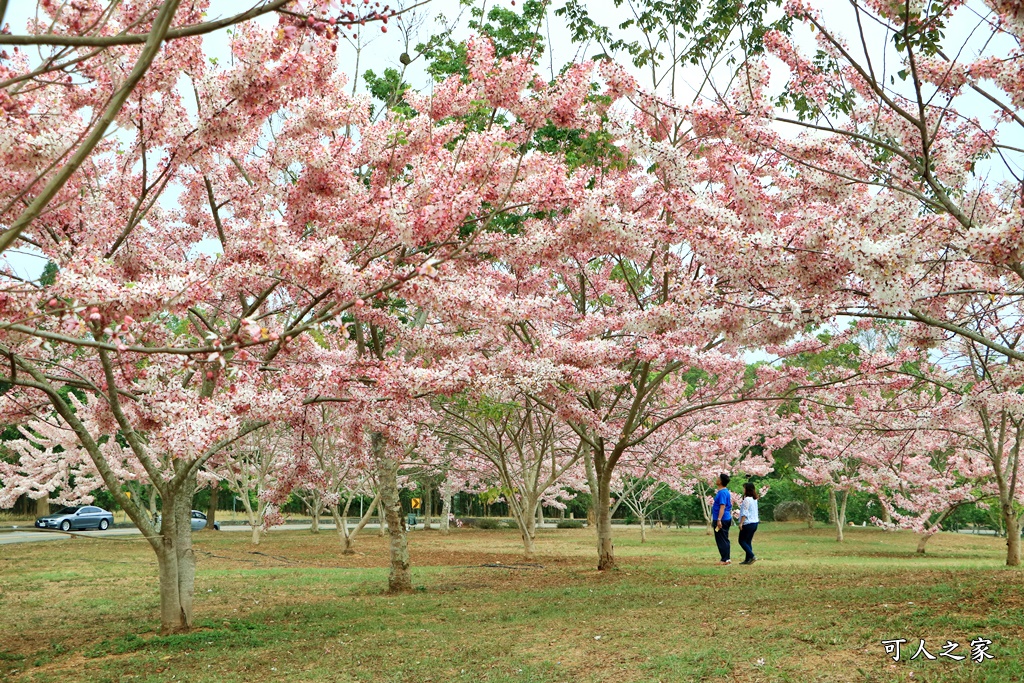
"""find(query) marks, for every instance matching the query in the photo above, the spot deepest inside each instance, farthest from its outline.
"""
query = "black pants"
(722, 539)
(747, 532)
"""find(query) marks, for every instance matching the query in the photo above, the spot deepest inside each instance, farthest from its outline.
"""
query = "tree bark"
(886, 517)
(1012, 523)
(152, 503)
(341, 527)
(599, 480)
(211, 509)
(314, 509)
(347, 536)
(400, 578)
(176, 560)
(446, 507)
(529, 528)
(603, 515)
(705, 507)
(529, 547)
(838, 516)
(251, 516)
(831, 506)
(43, 506)
(588, 467)
(922, 541)
(428, 504)
(643, 530)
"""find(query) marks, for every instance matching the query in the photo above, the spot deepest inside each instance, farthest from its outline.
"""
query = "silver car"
(199, 521)
(77, 517)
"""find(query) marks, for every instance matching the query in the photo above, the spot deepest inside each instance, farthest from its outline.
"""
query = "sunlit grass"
(294, 608)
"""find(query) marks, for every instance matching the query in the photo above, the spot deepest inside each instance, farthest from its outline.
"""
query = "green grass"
(298, 610)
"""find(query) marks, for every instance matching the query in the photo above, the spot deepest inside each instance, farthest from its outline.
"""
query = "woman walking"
(748, 522)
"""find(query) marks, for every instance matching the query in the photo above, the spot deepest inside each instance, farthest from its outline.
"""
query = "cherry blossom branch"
(154, 40)
(130, 435)
(921, 316)
(139, 38)
(67, 413)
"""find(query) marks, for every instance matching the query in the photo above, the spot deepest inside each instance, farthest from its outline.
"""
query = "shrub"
(486, 523)
(792, 511)
(570, 524)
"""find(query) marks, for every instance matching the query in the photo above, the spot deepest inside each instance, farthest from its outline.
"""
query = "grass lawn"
(295, 609)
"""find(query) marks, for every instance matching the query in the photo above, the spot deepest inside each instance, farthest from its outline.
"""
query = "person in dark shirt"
(721, 517)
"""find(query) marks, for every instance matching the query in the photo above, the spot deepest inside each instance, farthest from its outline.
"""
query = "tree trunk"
(643, 530)
(705, 507)
(400, 578)
(152, 503)
(43, 506)
(348, 536)
(932, 527)
(1012, 536)
(314, 510)
(599, 481)
(529, 547)
(176, 560)
(922, 541)
(251, 517)
(211, 509)
(588, 467)
(446, 507)
(374, 505)
(838, 515)
(832, 506)
(886, 517)
(342, 529)
(603, 515)
(529, 527)
(428, 505)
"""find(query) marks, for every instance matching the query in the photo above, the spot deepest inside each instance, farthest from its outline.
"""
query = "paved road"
(30, 536)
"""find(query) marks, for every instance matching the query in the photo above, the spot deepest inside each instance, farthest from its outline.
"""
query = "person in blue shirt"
(721, 517)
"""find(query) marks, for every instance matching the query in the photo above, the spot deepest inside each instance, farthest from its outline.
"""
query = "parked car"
(199, 521)
(77, 517)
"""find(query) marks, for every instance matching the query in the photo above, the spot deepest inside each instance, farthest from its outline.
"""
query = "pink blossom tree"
(914, 429)
(517, 445)
(882, 181)
(250, 467)
(331, 464)
(316, 212)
